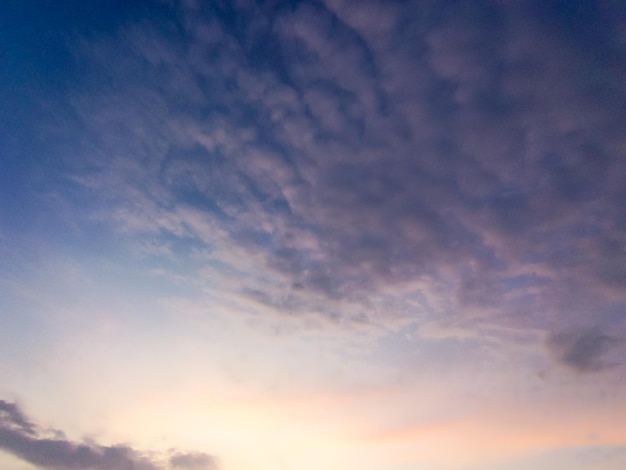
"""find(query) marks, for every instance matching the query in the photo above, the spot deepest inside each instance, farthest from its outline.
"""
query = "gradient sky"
(313, 235)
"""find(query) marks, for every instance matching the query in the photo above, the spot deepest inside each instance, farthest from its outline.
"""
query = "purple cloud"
(583, 351)
(20, 437)
(353, 150)
(193, 461)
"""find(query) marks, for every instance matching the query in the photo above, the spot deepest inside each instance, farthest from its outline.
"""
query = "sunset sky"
(312, 235)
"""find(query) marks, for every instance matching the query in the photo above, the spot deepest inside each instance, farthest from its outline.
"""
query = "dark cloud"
(12, 416)
(52, 450)
(21, 438)
(582, 350)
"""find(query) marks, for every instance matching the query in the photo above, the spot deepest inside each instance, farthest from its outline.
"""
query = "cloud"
(327, 158)
(584, 350)
(193, 461)
(12, 416)
(52, 450)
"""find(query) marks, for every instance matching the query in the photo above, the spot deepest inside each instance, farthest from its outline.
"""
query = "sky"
(304, 235)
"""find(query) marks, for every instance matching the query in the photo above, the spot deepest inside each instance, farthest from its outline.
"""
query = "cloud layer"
(370, 162)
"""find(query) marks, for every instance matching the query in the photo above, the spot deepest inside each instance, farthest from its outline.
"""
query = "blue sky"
(316, 234)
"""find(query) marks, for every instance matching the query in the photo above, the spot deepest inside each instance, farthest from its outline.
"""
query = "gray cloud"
(582, 350)
(51, 450)
(193, 461)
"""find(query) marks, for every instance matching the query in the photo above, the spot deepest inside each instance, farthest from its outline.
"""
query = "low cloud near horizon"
(52, 450)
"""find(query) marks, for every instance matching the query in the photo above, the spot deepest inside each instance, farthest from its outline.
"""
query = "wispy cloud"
(347, 151)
